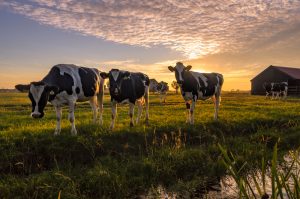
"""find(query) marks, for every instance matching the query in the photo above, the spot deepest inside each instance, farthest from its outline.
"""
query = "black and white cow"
(153, 85)
(268, 88)
(128, 87)
(162, 88)
(66, 84)
(195, 85)
(277, 90)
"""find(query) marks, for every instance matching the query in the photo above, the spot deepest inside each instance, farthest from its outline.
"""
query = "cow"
(153, 86)
(128, 87)
(162, 88)
(277, 90)
(196, 85)
(65, 84)
(268, 88)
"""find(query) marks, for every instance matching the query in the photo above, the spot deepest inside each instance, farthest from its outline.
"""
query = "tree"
(175, 85)
(106, 85)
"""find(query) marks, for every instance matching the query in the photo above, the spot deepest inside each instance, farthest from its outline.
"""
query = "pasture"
(133, 162)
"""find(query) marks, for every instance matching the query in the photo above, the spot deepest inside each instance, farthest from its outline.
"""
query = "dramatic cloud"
(195, 28)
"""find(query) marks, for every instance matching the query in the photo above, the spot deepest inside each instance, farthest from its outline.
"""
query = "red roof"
(293, 72)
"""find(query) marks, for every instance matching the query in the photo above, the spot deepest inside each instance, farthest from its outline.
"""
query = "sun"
(193, 55)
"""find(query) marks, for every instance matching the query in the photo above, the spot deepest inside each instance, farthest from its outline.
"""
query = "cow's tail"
(218, 94)
(221, 79)
(147, 83)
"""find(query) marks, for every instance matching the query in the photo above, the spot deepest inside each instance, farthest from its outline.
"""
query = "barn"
(277, 74)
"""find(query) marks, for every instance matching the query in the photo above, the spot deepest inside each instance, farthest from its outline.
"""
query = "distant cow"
(153, 85)
(276, 90)
(162, 88)
(127, 87)
(66, 84)
(195, 85)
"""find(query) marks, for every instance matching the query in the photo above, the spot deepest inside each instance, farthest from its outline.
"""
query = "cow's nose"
(35, 115)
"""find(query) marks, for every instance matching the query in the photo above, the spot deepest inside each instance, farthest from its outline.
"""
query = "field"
(134, 162)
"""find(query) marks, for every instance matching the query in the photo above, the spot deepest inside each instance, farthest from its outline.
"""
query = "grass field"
(131, 162)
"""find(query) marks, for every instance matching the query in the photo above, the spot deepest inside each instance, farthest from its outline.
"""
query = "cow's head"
(38, 93)
(116, 78)
(161, 85)
(179, 69)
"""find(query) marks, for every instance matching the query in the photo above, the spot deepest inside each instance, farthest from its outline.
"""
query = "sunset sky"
(236, 38)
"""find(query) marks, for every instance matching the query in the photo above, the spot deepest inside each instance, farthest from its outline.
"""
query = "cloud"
(195, 28)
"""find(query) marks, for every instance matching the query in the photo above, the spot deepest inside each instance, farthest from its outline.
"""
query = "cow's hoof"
(57, 131)
(74, 132)
(131, 124)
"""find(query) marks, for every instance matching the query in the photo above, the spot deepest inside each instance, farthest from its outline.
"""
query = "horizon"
(238, 40)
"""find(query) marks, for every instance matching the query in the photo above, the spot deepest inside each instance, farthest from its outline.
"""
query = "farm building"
(277, 74)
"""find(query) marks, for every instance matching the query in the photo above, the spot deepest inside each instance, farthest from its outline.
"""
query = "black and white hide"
(276, 90)
(162, 88)
(195, 85)
(128, 87)
(66, 84)
(153, 85)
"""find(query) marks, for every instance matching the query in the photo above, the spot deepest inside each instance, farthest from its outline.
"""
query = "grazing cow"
(277, 90)
(66, 84)
(195, 85)
(128, 87)
(153, 85)
(162, 88)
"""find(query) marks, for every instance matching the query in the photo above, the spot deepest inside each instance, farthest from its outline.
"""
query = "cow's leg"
(284, 94)
(140, 110)
(72, 117)
(192, 111)
(277, 95)
(147, 105)
(188, 118)
(217, 105)
(93, 103)
(58, 120)
(113, 114)
(267, 94)
(100, 98)
(131, 113)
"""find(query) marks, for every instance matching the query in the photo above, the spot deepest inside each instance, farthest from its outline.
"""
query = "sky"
(237, 38)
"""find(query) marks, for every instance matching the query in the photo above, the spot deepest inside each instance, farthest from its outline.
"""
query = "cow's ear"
(22, 87)
(172, 69)
(189, 67)
(104, 75)
(52, 89)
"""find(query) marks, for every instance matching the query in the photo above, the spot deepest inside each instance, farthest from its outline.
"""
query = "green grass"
(284, 177)
(130, 162)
